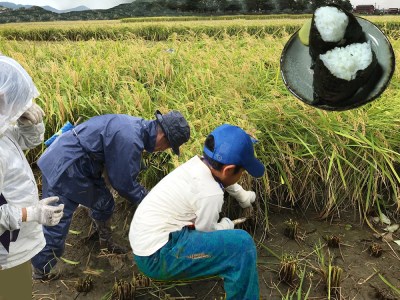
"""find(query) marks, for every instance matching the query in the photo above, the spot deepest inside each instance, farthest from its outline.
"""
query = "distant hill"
(13, 6)
(39, 14)
(46, 7)
(79, 8)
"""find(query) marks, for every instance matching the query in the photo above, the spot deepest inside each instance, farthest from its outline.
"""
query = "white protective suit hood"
(16, 91)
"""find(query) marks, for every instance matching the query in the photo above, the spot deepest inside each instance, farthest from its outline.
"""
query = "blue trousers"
(56, 235)
(190, 254)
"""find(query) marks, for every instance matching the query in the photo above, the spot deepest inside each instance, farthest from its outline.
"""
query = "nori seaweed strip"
(330, 89)
(353, 34)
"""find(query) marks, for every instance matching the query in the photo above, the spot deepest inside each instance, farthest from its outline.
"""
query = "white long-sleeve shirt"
(189, 195)
(19, 241)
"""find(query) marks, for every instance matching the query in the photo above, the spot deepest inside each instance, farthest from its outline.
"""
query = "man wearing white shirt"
(176, 233)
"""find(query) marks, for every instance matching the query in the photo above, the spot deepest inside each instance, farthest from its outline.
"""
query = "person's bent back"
(176, 233)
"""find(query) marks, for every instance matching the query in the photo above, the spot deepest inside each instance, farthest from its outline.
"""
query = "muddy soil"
(292, 249)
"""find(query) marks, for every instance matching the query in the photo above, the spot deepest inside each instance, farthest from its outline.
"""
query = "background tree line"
(171, 8)
(242, 6)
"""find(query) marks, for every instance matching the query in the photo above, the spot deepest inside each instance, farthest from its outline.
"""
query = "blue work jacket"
(74, 162)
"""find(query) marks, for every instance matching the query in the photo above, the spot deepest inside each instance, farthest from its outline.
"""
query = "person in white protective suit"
(21, 212)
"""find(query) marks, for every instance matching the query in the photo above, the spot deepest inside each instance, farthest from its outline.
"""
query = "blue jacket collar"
(149, 135)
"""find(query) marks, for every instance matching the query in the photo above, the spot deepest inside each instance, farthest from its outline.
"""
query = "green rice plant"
(155, 166)
(331, 274)
(269, 250)
(69, 262)
(160, 31)
(208, 18)
(299, 293)
(334, 278)
(162, 28)
(318, 248)
(74, 232)
(335, 157)
(396, 290)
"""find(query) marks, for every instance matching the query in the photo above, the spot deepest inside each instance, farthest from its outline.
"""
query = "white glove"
(32, 116)
(227, 223)
(45, 214)
(245, 198)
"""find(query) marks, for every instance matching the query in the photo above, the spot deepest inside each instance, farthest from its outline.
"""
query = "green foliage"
(395, 290)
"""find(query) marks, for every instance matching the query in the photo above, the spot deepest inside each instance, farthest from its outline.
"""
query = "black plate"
(298, 77)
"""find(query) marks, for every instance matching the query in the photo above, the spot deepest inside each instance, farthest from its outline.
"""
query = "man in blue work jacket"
(72, 169)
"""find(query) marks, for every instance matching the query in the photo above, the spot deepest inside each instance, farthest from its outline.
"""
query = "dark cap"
(233, 146)
(175, 128)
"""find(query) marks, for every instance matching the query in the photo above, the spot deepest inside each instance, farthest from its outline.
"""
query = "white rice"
(331, 23)
(344, 62)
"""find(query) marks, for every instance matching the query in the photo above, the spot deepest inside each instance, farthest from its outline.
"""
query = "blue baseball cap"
(233, 146)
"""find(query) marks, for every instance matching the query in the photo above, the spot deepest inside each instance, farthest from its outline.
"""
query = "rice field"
(160, 29)
(217, 71)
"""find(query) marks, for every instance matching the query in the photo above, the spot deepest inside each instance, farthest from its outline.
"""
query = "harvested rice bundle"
(340, 72)
(331, 27)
